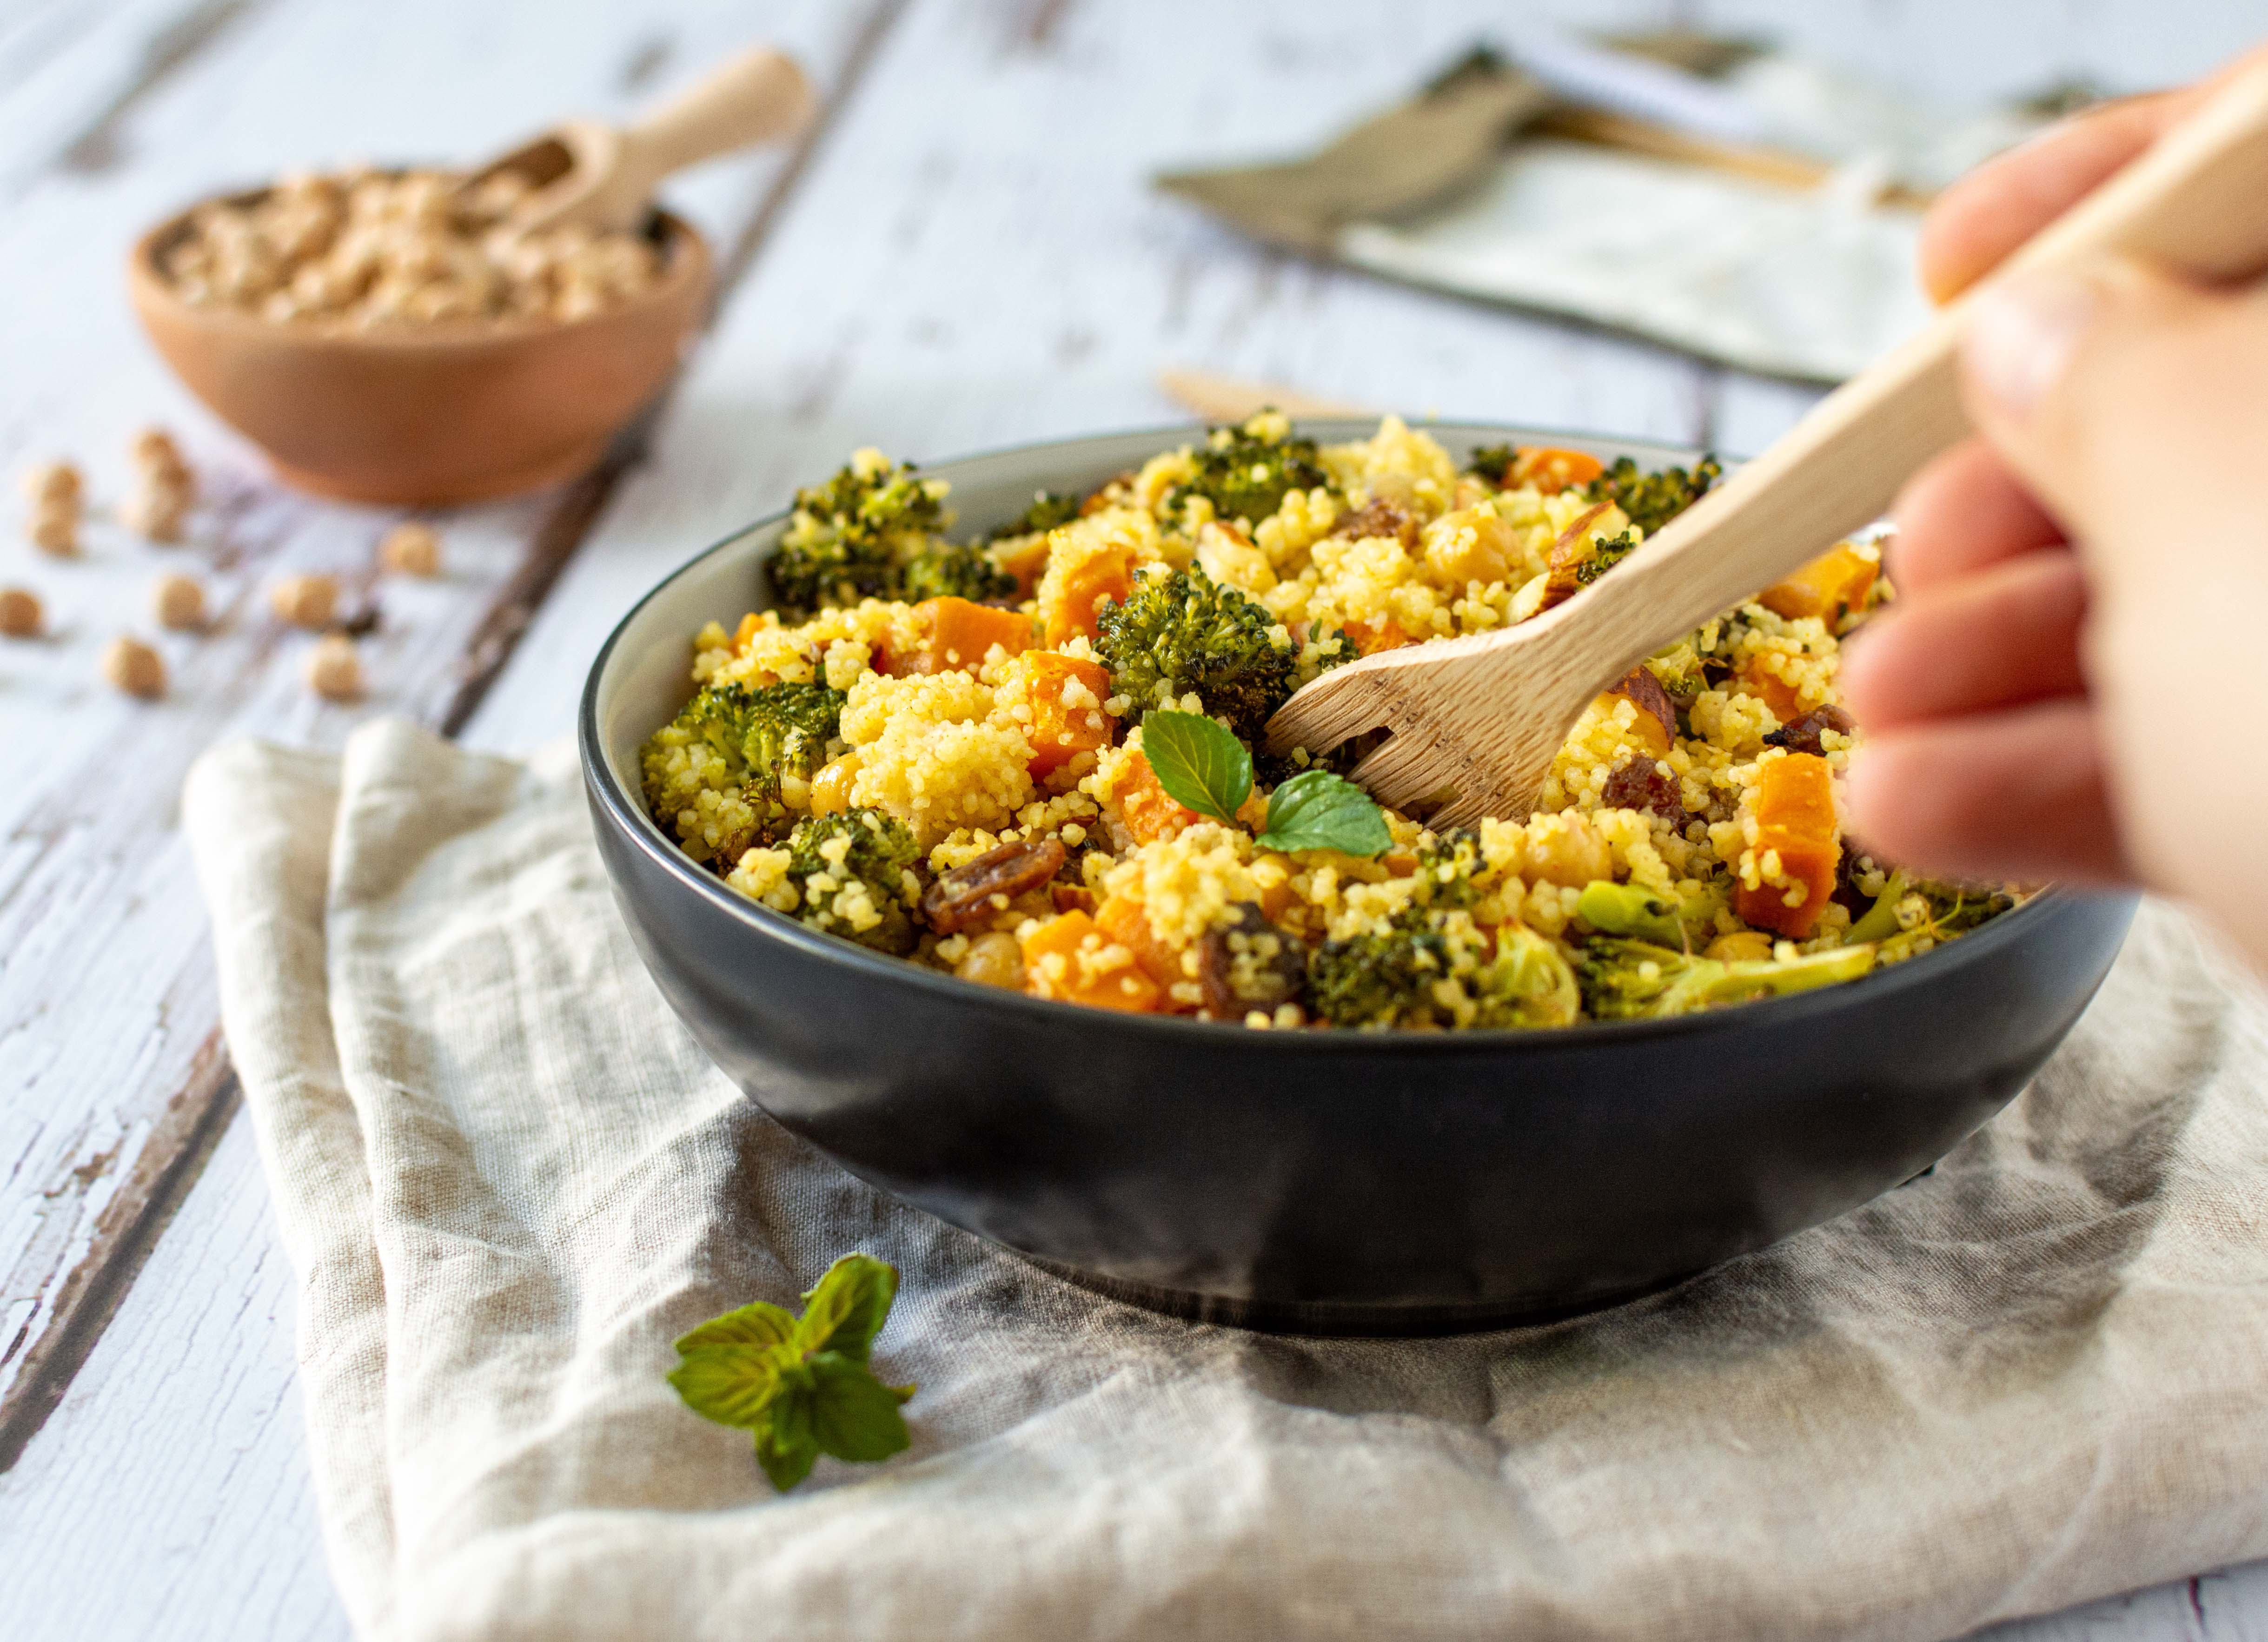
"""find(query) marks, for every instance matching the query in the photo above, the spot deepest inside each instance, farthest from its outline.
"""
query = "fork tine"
(1407, 771)
(1328, 712)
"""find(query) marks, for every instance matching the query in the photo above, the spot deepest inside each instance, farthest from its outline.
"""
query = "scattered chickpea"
(54, 528)
(335, 669)
(50, 483)
(20, 616)
(308, 601)
(412, 549)
(179, 603)
(133, 667)
(163, 486)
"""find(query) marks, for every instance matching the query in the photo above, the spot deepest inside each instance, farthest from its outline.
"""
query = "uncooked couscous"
(1035, 759)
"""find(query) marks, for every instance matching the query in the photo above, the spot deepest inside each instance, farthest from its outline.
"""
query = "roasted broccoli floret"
(953, 569)
(1449, 862)
(1604, 556)
(1493, 462)
(1185, 631)
(722, 758)
(1621, 979)
(1909, 907)
(1614, 909)
(853, 872)
(1247, 477)
(1048, 510)
(1528, 984)
(1382, 980)
(851, 538)
(1652, 500)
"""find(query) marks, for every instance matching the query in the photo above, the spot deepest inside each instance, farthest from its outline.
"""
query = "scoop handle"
(752, 96)
(2196, 201)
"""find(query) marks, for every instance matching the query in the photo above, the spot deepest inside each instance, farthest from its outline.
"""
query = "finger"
(1962, 512)
(2125, 399)
(2019, 796)
(2004, 637)
(1979, 220)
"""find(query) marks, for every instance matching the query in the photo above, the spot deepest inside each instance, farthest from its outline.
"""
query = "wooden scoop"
(1476, 722)
(599, 177)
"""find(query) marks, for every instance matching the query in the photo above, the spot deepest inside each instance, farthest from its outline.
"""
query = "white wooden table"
(963, 255)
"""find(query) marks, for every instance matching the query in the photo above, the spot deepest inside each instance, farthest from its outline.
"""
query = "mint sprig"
(801, 1384)
(1204, 766)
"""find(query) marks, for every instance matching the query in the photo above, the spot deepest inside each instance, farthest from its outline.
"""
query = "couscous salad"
(1034, 760)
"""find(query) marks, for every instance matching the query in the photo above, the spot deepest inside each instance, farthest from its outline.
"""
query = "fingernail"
(2022, 335)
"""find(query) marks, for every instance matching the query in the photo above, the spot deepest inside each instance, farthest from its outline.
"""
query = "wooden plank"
(1008, 302)
(107, 1085)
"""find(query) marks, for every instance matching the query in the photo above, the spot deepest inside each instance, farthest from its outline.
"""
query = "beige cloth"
(508, 1180)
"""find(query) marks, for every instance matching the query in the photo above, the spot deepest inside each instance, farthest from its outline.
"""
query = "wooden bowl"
(425, 415)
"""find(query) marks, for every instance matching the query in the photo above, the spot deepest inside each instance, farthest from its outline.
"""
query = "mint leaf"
(845, 1307)
(732, 1385)
(1200, 763)
(853, 1415)
(1317, 810)
(786, 1446)
(756, 1323)
(800, 1385)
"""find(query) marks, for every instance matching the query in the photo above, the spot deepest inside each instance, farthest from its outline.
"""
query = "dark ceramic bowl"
(1329, 1182)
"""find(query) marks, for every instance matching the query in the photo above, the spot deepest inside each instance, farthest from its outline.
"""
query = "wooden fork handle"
(2197, 201)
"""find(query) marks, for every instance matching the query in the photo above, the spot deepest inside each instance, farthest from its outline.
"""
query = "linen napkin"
(508, 1180)
(1760, 210)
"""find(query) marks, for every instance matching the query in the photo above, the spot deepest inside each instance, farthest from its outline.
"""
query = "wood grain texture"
(107, 1009)
(967, 258)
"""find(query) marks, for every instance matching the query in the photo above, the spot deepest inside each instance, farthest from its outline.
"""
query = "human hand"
(2062, 689)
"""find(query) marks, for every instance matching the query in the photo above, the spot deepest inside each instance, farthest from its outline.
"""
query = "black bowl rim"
(862, 961)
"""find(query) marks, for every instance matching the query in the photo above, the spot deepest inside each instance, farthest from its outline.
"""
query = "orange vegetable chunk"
(1150, 812)
(1551, 470)
(1123, 919)
(1830, 585)
(1066, 695)
(746, 632)
(957, 633)
(1052, 968)
(1772, 689)
(1370, 637)
(1795, 816)
(1067, 607)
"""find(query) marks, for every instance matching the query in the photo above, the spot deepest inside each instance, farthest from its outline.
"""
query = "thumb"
(2128, 401)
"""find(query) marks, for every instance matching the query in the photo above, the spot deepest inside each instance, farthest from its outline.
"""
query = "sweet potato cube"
(1794, 802)
(1066, 695)
(1027, 563)
(1370, 637)
(1123, 919)
(1069, 601)
(956, 633)
(746, 631)
(1149, 811)
(1830, 587)
(1656, 724)
(1551, 470)
(1053, 967)
(1768, 687)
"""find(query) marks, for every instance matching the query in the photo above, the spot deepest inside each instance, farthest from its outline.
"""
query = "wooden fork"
(1476, 722)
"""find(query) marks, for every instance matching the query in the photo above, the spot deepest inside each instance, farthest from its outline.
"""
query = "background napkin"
(508, 1179)
(1748, 206)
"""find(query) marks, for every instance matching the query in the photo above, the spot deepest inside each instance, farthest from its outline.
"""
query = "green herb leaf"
(845, 1311)
(1199, 762)
(853, 1415)
(801, 1385)
(1317, 810)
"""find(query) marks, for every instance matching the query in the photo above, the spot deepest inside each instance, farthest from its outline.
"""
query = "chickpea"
(993, 960)
(308, 601)
(179, 603)
(20, 616)
(133, 667)
(334, 668)
(48, 483)
(1567, 851)
(413, 549)
(1739, 946)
